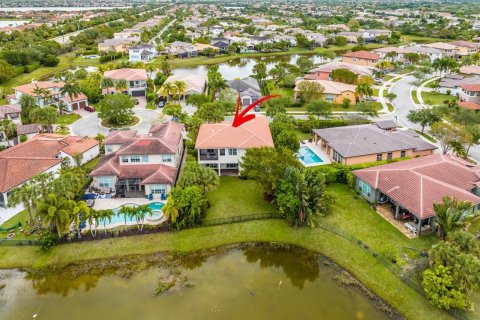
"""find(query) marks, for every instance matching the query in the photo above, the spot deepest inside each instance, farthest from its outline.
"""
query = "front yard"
(435, 98)
(67, 118)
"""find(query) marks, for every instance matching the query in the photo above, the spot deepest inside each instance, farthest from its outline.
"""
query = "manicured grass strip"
(391, 108)
(435, 98)
(414, 96)
(22, 217)
(426, 136)
(67, 118)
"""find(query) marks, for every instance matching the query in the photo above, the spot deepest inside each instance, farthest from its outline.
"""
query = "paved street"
(90, 125)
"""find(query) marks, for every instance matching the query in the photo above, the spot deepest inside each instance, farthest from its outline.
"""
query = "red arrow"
(242, 117)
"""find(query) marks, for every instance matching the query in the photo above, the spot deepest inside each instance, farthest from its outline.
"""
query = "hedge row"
(307, 125)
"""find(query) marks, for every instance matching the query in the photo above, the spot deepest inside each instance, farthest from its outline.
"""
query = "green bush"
(19, 70)
(151, 96)
(48, 240)
(50, 60)
(32, 67)
(308, 125)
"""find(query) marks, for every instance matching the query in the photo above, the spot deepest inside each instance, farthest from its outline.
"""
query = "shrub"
(18, 70)
(23, 138)
(50, 60)
(31, 67)
(48, 240)
(151, 96)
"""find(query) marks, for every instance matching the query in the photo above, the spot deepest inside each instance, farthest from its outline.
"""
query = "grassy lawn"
(391, 108)
(475, 226)
(67, 118)
(350, 214)
(22, 217)
(235, 197)
(420, 39)
(92, 163)
(426, 136)
(302, 135)
(414, 96)
(435, 98)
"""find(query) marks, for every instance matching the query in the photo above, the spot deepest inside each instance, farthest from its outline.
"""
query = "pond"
(243, 67)
(241, 282)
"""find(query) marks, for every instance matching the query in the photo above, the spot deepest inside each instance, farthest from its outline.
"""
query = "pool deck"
(319, 152)
(102, 204)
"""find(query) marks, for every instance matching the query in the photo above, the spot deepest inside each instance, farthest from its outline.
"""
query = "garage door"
(138, 93)
(83, 104)
(75, 106)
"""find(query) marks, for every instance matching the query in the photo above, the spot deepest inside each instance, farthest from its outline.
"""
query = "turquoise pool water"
(307, 156)
(156, 213)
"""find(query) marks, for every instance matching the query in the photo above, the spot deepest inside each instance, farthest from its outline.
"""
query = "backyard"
(435, 98)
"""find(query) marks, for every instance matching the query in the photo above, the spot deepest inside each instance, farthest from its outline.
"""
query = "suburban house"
(247, 88)
(11, 112)
(142, 52)
(322, 72)
(470, 92)
(411, 187)
(333, 91)
(196, 83)
(32, 88)
(447, 49)
(471, 70)
(452, 83)
(370, 142)
(138, 165)
(54, 98)
(43, 153)
(431, 53)
(181, 49)
(464, 48)
(136, 80)
(361, 58)
(115, 45)
(221, 146)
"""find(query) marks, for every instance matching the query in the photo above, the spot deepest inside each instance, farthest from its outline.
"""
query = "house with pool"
(140, 165)
(221, 146)
(406, 191)
(371, 142)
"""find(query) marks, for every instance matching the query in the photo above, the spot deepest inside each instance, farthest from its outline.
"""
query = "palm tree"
(170, 210)
(121, 85)
(167, 89)
(78, 208)
(141, 212)
(451, 215)
(105, 215)
(150, 69)
(125, 212)
(106, 83)
(181, 88)
(38, 92)
(166, 69)
(9, 129)
(23, 195)
(70, 89)
(28, 103)
(216, 83)
(56, 211)
(363, 89)
(209, 179)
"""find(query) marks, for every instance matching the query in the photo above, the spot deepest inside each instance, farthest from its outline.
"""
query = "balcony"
(208, 155)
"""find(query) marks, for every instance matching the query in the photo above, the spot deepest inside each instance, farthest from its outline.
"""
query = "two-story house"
(182, 49)
(221, 146)
(142, 52)
(470, 92)
(136, 80)
(362, 58)
(138, 165)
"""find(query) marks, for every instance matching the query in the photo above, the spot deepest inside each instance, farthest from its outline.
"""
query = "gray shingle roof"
(353, 141)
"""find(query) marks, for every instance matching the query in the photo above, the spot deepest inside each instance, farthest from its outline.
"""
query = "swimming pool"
(307, 156)
(155, 215)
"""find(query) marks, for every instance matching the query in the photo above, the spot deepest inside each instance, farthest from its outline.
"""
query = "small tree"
(451, 215)
(366, 109)
(310, 90)
(116, 109)
(424, 117)
(449, 135)
(320, 108)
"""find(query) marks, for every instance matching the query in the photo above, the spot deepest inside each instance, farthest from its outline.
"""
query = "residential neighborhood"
(196, 158)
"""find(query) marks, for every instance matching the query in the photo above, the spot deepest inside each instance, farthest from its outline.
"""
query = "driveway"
(90, 125)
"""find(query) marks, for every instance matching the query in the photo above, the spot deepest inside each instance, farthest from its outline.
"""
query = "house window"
(232, 165)
(222, 152)
(158, 189)
(365, 188)
(135, 159)
(389, 156)
(379, 157)
(105, 182)
(337, 157)
(232, 152)
(167, 158)
(108, 148)
(124, 159)
(145, 158)
(402, 154)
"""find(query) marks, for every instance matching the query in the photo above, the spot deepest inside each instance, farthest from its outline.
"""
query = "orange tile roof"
(362, 54)
(79, 97)
(29, 87)
(469, 105)
(127, 74)
(251, 134)
(474, 87)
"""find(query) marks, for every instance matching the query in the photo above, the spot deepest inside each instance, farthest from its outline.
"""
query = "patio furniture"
(410, 227)
(405, 216)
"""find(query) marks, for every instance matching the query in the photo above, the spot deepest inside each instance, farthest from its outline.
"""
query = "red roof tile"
(418, 183)
(362, 54)
(469, 105)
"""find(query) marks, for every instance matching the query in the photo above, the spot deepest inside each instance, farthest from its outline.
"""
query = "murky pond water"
(242, 67)
(248, 282)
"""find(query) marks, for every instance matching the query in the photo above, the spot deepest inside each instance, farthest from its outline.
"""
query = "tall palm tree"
(9, 129)
(141, 212)
(170, 210)
(121, 85)
(181, 88)
(38, 92)
(451, 215)
(56, 211)
(216, 83)
(104, 216)
(167, 89)
(70, 89)
(78, 208)
(166, 69)
(28, 103)
(23, 195)
(363, 89)
(125, 212)
(209, 179)
(107, 83)
(150, 69)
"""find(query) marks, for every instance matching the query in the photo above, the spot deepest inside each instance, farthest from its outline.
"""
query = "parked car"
(257, 109)
(136, 101)
(90, 108)
(161, 104)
